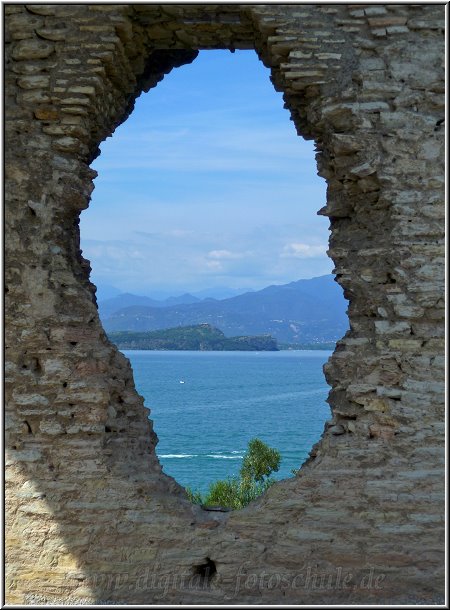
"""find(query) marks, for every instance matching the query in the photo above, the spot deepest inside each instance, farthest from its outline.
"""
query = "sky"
(206, 185)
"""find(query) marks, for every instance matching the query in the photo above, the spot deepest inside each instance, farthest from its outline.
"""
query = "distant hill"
(184, 299)
(302, 312)
(200, 338)
(110, 306)
(105, 291)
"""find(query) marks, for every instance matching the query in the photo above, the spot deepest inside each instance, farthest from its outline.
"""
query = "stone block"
(41, 9)
(33, 81)
(387, 327)
(390, 20)
(397, 29)
(52, 34)
(375, 10)
(32, 49)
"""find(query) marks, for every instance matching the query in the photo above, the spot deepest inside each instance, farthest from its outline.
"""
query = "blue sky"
(205, 185)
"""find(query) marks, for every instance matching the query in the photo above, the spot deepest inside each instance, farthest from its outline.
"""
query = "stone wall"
(90, 515)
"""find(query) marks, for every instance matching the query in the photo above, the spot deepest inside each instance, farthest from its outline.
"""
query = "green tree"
(260, 461)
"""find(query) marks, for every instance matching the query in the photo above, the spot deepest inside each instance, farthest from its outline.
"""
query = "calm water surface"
(206, 406)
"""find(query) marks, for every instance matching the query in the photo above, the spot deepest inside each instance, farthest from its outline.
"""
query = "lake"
(206, 406)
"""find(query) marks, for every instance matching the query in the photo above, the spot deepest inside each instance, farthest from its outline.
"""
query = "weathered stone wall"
(90, 515)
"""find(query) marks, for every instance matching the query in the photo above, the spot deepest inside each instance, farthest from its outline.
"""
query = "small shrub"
(224, 493)
(194, 496)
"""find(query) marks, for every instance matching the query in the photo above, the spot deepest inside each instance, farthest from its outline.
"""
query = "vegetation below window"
(260, 461)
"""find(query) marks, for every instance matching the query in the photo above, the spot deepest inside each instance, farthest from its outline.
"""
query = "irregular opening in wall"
(204, 212)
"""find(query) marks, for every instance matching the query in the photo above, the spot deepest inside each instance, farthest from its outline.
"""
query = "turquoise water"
(226, 399)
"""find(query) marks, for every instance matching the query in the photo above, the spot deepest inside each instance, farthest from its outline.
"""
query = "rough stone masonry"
(90, 515)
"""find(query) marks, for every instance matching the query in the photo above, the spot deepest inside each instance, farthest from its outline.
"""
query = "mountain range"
(110, 306)
(309, 311)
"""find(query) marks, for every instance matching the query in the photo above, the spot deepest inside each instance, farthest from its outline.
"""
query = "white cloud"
(225, 255)
(214, 265)
(299, 250)
(179, 233)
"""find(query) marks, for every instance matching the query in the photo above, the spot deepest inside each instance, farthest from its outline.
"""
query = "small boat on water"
(181, 381)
